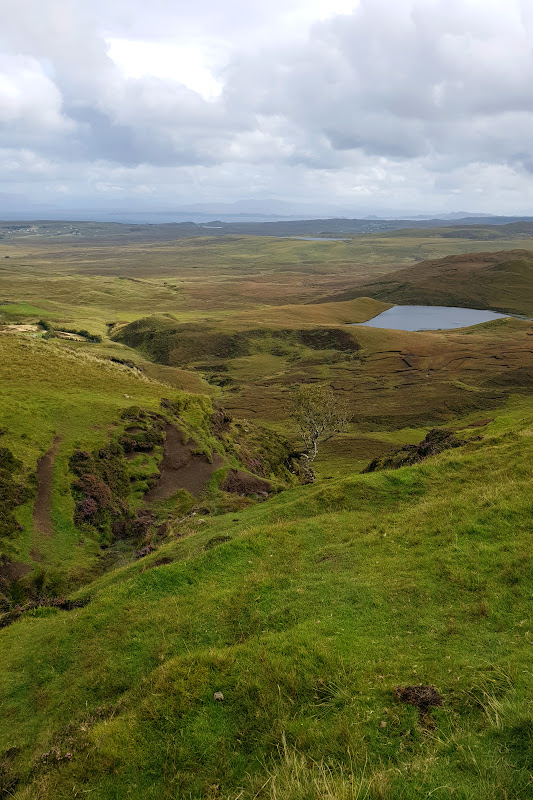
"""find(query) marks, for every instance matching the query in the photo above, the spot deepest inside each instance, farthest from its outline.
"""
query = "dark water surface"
(430, 318)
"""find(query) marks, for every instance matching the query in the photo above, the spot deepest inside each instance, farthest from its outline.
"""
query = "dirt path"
(181, 468)
(42, 519)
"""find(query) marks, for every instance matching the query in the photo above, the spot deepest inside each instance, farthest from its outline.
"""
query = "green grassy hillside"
(58, 404)
(306, 612)
(499, 281)
(180, 618)
(394, 382)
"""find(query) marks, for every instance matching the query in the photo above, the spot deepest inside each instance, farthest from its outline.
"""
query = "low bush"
(102, 487)
(13, 492)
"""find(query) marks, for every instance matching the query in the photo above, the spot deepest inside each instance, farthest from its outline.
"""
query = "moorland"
(160, 545)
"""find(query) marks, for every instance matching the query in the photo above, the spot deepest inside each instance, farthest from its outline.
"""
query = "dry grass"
(294, 777)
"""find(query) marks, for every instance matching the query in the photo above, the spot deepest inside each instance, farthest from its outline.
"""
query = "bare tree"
(319, 414)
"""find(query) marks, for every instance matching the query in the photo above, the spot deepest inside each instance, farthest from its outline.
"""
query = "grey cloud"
(397, 91)
(103, 115)
(401, 79)
(102, 137)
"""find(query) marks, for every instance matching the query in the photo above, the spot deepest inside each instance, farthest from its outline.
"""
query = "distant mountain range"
(253, 210)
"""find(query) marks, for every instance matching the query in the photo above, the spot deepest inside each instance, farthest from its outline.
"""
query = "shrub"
(90, 337)
(13, 492)
(102, 486)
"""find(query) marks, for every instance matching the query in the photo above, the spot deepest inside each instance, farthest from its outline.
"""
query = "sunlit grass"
(319, 604)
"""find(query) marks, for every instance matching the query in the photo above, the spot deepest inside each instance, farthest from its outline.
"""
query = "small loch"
(430, 318)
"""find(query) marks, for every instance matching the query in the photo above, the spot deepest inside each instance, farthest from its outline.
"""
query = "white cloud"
(384, 102)
(187, 64)
(29, 100)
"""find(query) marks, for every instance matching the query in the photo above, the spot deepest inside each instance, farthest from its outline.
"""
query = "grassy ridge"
(60, 398)
(332, 596)
(486, 232)
(500, 281)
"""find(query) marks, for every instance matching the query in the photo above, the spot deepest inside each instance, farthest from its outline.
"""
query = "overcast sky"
(367, 105)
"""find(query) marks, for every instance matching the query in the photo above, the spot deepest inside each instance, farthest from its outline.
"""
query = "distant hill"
(522, 228)
(179, 226)
(501, 281)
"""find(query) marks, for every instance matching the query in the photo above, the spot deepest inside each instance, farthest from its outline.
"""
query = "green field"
(126, 605)
(207, 275)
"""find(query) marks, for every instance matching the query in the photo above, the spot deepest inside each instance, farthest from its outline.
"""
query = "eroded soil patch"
(422, 697)
(45, 602)
(160, 562)
(42, 510)
(243, 483)
(20, 329)
(181, 468)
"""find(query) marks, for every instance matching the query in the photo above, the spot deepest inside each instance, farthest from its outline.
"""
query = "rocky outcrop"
(436, 441)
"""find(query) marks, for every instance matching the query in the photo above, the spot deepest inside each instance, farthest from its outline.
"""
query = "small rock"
(218, 696)
(382, 724)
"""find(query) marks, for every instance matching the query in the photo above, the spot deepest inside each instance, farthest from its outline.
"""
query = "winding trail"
(42, 509)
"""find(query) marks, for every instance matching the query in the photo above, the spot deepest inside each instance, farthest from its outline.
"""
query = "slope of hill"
(309, 614)
(92, 453)
(389, 379)
(500, 281)
(179, 617)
